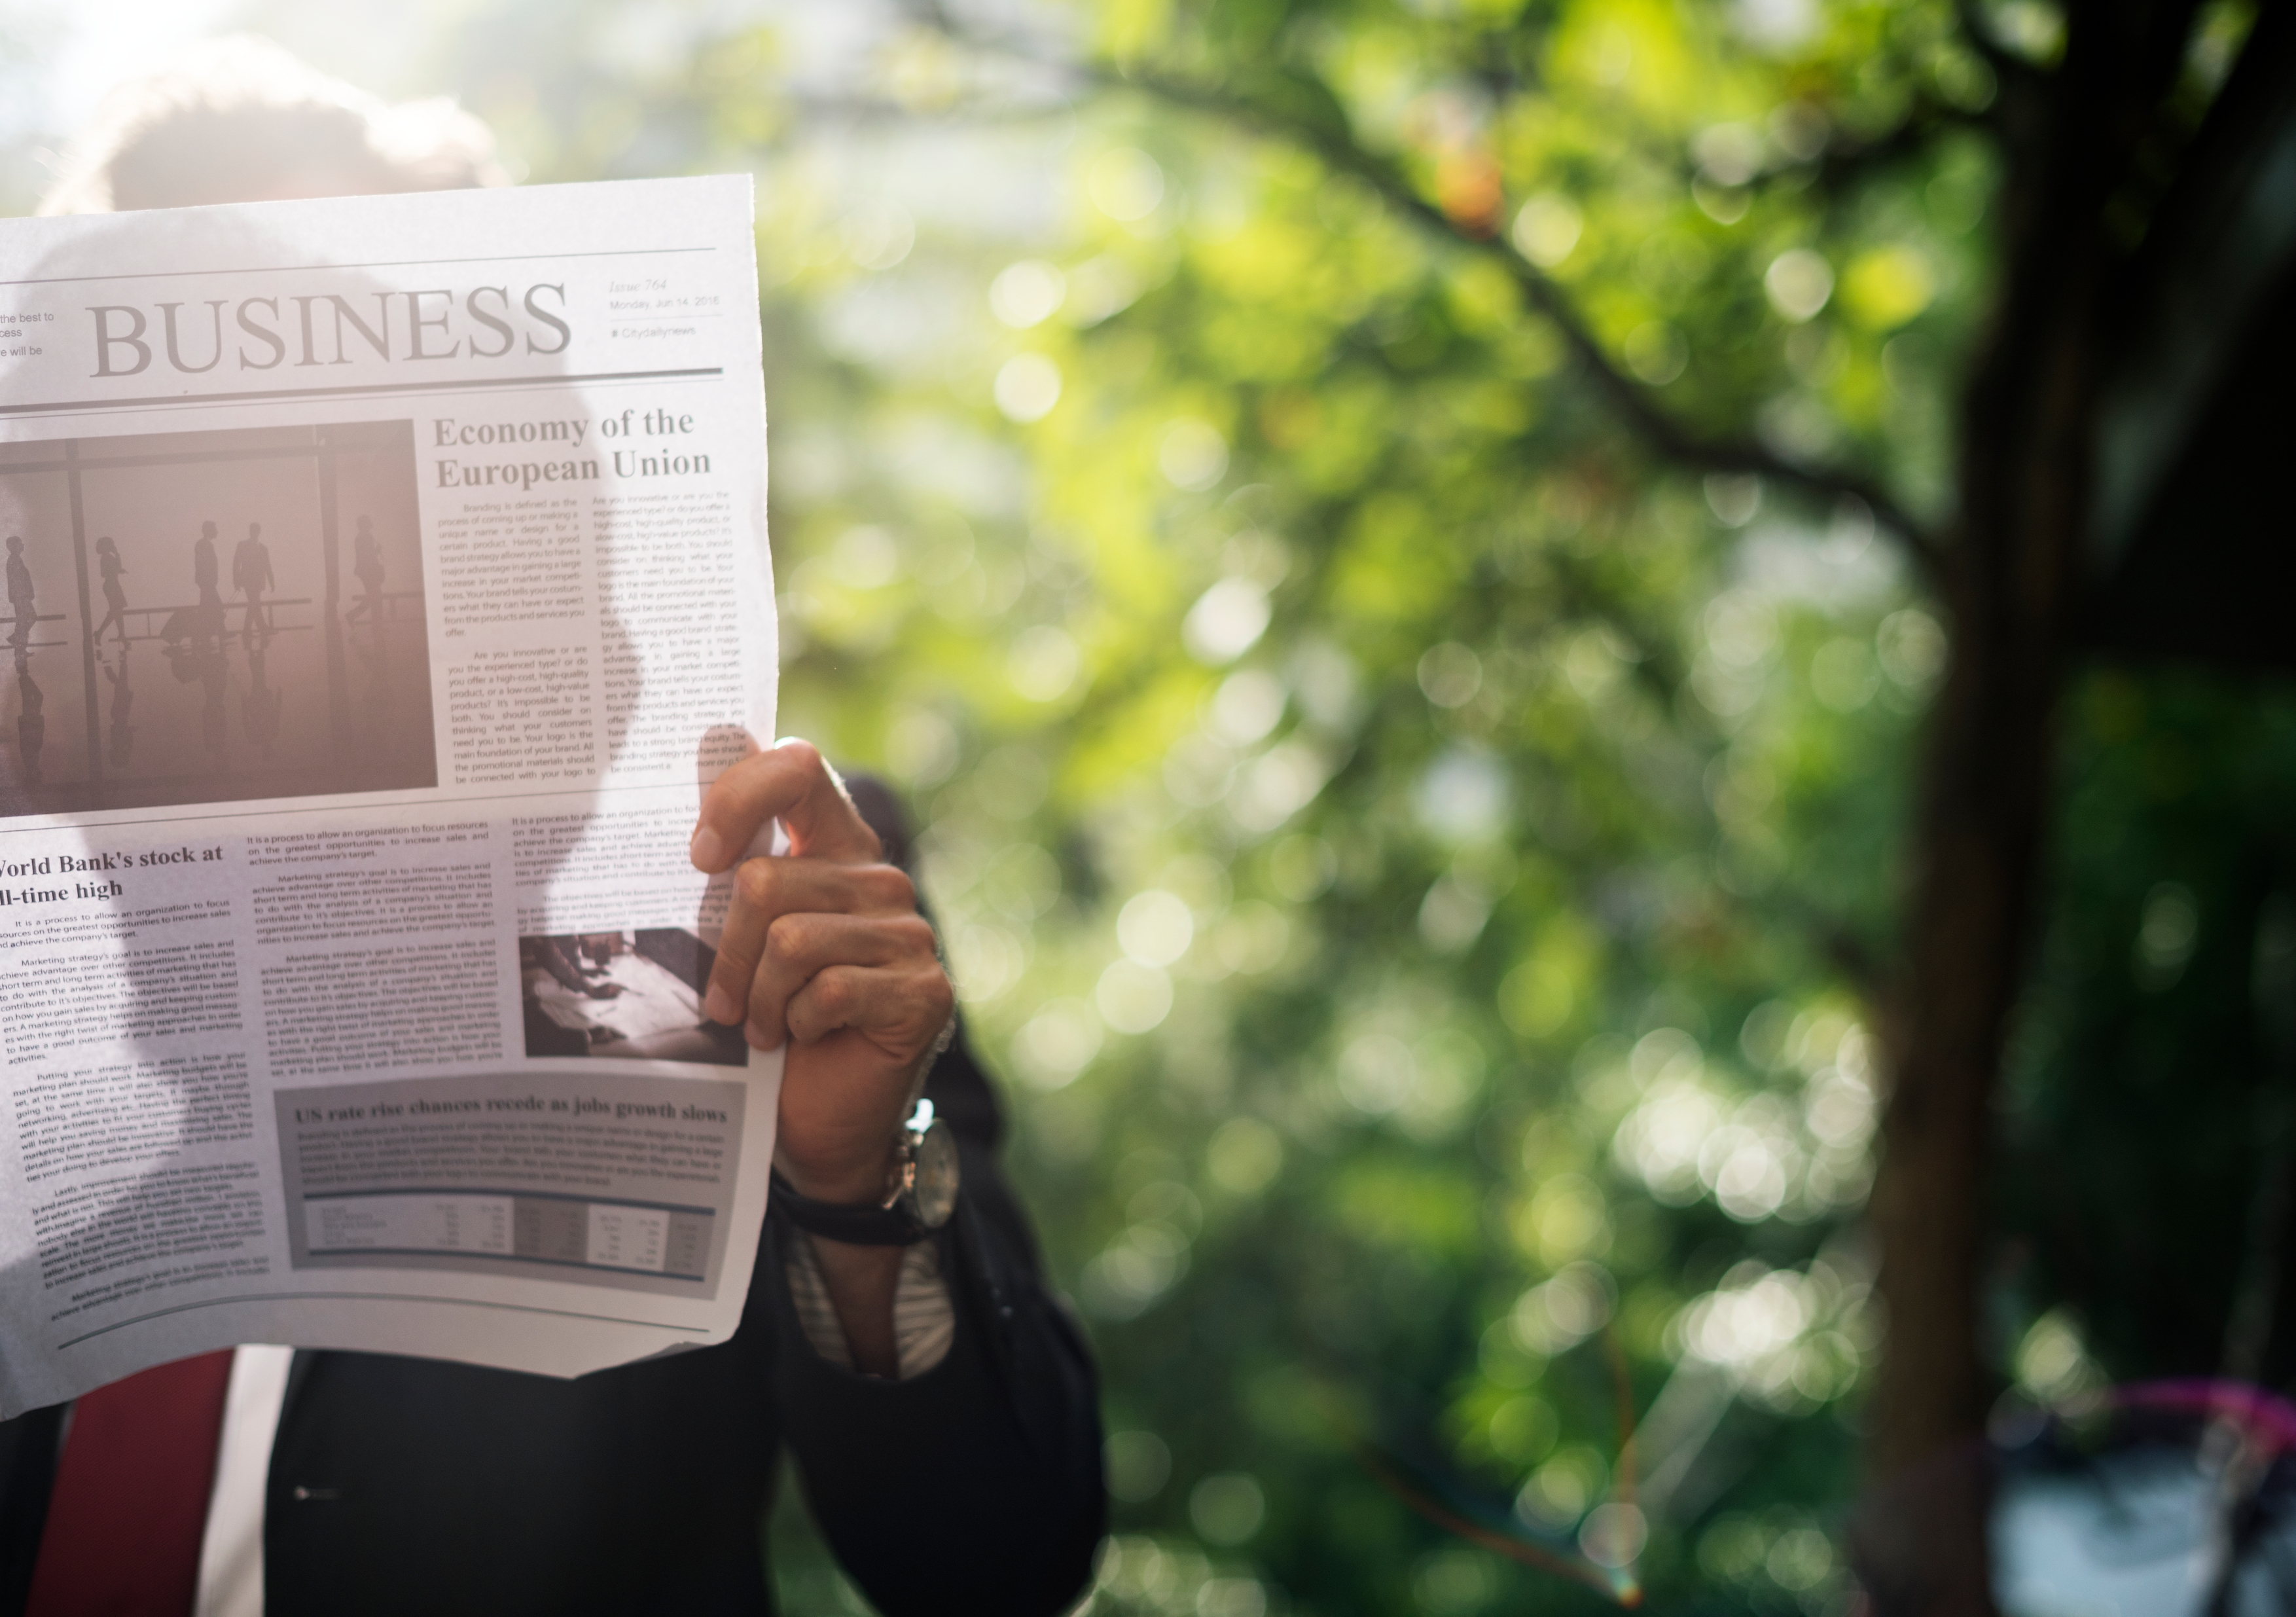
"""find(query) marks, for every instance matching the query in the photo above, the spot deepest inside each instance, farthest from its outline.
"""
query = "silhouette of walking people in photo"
(20, 596)
(206, 576)
(366, 562)
(251, 569)
(32, 721)
(123, 705)
(115, 595)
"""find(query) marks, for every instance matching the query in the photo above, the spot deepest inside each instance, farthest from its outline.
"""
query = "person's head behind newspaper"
(239, 119)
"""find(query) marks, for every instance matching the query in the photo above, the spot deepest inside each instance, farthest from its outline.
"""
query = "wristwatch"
(920, 1192)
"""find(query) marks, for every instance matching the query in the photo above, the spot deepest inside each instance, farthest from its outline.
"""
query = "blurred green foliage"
(1396, 837)
(1412, 852)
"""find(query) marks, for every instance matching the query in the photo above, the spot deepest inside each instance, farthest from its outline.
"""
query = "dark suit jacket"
(406, 1485)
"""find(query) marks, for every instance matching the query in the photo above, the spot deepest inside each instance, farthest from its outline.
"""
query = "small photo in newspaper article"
(211, 617)
(635, 995)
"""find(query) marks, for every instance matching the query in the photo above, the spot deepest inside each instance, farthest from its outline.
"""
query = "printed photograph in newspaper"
(629, 994)
(213, 617)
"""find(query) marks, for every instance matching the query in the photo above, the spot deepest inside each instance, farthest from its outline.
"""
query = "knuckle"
(896, 890)
(939, 996)
(755, 881)
(913, 934)
(739, 781)
(785, 939)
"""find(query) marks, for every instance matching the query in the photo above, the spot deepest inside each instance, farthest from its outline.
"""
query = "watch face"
(937, 1177)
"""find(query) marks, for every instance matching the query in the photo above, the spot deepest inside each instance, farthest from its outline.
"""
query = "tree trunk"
(2012, 579)
(1922, 1545)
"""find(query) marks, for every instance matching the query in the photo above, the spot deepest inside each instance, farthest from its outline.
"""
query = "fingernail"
(708, 849)
(758, 1038)
(719, 1005)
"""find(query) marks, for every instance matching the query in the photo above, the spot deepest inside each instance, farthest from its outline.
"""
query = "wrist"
(858, 1183)
(913, 1195)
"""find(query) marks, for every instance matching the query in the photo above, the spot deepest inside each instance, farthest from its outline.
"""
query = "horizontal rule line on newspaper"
(496, 383)
(120, 462)
(452, 1302)
(289, 269)
(598, 790)
(586, 1199)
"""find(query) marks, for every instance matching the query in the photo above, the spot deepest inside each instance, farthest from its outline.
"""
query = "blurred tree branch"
(1844, 165)
(1314, 120)
(866, 110)
(1651, 422)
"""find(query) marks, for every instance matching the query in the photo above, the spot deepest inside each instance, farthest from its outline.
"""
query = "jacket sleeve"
(977, 1485)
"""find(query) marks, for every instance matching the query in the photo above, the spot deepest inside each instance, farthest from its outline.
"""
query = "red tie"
(131, 1496)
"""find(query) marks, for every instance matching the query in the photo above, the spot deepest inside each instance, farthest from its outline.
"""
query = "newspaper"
(386, 578)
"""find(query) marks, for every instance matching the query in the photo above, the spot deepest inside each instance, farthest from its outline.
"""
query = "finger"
(798, 947)
(900, 1009)
(765, 890)
(783, 884)
(790, 782)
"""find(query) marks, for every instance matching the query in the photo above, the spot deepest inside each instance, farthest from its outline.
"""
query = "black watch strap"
(861, 1226)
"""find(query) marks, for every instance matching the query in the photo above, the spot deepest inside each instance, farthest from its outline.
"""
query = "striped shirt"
(924, 1319)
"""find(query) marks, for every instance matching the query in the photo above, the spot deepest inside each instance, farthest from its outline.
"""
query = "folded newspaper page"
(386, 577)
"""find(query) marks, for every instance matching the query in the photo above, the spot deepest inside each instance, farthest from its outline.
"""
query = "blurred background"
(1503, 616)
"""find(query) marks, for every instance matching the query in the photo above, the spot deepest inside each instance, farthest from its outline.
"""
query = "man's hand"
(823, 947)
